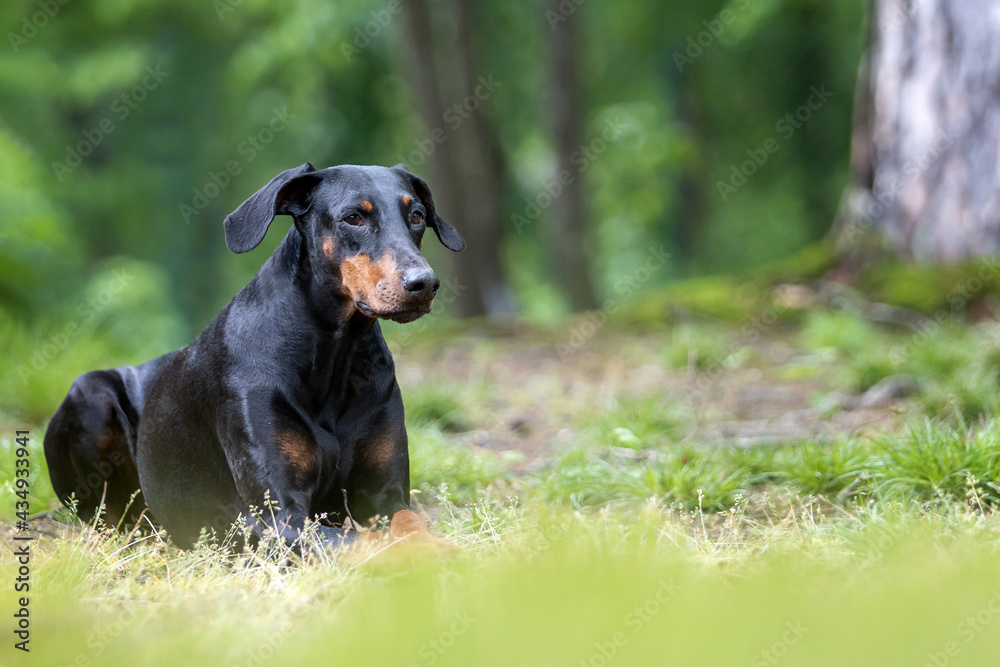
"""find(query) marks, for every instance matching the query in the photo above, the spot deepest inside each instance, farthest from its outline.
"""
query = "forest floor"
(690, 491)
(523, 395)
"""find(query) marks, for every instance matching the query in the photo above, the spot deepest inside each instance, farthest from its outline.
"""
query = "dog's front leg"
(279, 473)
(379, 484)
(288, 525)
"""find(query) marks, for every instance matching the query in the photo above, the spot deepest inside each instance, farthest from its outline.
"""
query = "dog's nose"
(421, 282)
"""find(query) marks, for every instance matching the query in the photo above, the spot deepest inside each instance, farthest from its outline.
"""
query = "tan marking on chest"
(378, 455)
(299, 451)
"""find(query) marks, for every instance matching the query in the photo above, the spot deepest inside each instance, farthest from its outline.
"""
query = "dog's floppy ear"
(448, 235)
(247, 225)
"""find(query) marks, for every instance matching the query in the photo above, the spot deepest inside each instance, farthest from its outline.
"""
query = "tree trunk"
(465, 174)
(925, 163)
(570, 213)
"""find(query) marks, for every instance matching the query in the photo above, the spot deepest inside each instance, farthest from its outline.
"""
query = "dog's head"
(363, 228)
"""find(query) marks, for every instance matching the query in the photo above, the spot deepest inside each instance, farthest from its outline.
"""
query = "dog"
(286, 408)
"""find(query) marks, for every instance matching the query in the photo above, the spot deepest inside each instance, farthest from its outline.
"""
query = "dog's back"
(90, 442)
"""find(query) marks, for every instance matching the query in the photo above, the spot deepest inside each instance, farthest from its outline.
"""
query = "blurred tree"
(681, 93)
(450, 91)
(569, 225)
(926, 143)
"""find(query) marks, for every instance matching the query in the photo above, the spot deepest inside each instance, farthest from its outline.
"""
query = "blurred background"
(729, 315)
(590, 152)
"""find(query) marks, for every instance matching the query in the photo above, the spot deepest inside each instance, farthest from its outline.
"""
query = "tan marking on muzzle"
(360, 276)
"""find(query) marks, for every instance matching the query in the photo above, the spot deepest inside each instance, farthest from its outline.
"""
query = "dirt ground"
(523, 392)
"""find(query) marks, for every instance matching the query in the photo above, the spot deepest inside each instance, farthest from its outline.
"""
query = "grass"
(941, 464)
(435, 407)
(639, 423)
(458, 472)
(533, 585)
(925, 464)
(597, 523)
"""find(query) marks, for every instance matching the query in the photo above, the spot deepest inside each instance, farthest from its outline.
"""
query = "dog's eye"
(416, 218)
(354, 219)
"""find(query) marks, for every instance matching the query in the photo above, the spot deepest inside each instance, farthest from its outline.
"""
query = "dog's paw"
(408, 527)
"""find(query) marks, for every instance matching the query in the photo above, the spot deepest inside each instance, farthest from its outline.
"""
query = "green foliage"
(947, 289)
(41, 494)
(639, 423)
(701, 346)
(849, 335)
(121, 315)
(817, 591)
(957, 366)
(718, 297)
(76, 195)
(942, 464)
(701, 479)
(821, 469)
(936, 462)
(810, 263)
(464, 471)
(435, 407)
(968, 393)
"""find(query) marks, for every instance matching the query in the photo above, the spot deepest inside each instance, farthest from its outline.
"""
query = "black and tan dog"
(289, 394)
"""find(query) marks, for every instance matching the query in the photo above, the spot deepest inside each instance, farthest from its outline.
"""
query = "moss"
(718, 297)
(809, 263)
(930, 288)
(729, 298)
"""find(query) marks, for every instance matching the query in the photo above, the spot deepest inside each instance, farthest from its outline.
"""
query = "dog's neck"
(346, 344)
(331, 309)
